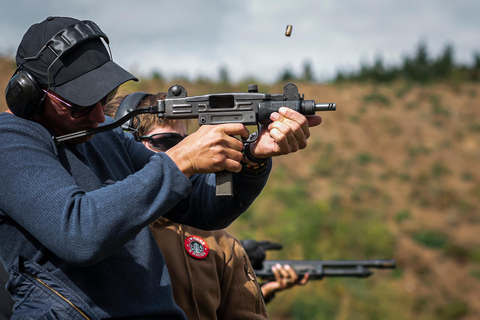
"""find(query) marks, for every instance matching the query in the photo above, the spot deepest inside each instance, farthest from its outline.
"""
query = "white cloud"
(194, 37)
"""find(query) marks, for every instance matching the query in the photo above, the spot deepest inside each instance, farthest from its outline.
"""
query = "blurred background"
(393, 173)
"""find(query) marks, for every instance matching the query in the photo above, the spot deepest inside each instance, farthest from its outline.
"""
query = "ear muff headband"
(23, 94)
(69, 38)
(129, 103)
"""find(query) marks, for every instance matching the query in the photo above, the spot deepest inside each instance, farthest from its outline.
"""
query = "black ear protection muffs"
(23, 94)
(129, 104)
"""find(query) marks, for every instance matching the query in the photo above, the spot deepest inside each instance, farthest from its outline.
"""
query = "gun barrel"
(359, 271)
(375, 263)
(325, 106)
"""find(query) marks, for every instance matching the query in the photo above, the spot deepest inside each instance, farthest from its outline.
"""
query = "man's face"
(57, 117)
(179, 128)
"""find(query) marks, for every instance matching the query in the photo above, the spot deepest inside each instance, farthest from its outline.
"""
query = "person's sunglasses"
(162, 141)
(80, 111)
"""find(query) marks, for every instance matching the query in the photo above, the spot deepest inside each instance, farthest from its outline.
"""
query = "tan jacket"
(215, 280)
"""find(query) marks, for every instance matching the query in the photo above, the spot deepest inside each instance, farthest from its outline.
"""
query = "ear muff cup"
(24, 95)
(129, 103)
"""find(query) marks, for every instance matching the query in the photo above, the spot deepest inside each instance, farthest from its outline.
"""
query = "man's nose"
(97, 114)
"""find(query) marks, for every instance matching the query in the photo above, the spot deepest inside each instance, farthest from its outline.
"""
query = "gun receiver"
(250, 108)
(318, 269)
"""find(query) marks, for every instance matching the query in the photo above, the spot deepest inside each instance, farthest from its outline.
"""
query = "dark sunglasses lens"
(78, 111)
(164, 142)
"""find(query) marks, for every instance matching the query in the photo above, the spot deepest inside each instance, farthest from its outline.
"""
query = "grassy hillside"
(393, 173)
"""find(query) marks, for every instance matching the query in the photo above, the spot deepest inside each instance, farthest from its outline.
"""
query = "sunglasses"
(80, 111)
(162, 141)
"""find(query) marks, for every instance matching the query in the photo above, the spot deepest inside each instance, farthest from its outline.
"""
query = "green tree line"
(420, 68)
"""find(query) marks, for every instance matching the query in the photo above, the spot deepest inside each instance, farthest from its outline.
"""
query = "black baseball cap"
(83, 75)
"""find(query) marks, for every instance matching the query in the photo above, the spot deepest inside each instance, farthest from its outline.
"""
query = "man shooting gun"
(75, 215)
(252, 108)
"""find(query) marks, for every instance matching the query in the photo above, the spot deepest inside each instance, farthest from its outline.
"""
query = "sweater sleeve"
(80, 227)
(83, 226)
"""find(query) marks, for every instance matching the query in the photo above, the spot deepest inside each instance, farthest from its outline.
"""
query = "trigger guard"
(253, 137)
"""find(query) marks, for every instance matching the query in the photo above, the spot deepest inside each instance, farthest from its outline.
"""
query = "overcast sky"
(193, 37)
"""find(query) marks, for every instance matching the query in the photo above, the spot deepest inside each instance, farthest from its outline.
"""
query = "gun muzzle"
(385, 263)
(309, 107)
(325, 107)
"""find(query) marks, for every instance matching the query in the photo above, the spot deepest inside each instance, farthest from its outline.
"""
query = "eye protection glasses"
(80, 111)
(162, 141)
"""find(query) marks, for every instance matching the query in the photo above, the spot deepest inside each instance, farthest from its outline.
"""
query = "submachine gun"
(319, 269)
(249, 108)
